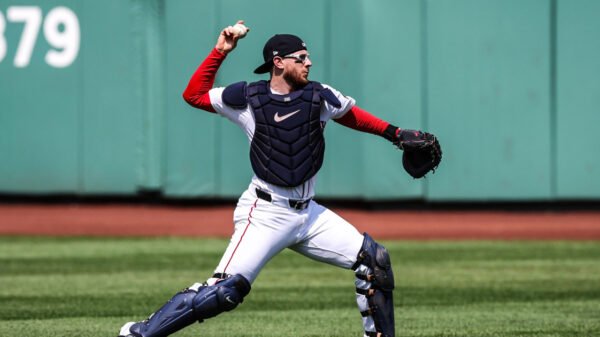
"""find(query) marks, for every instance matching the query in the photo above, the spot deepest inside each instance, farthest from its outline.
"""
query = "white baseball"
(239, 30)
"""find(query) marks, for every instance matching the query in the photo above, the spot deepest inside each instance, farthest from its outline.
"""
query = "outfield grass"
(88, 287)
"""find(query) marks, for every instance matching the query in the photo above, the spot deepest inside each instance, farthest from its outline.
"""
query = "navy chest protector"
(288, 145)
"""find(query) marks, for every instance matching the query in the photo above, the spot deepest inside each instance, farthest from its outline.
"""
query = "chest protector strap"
(288, 145)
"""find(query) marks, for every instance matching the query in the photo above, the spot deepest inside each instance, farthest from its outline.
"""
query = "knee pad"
(223, 296)
(379, 267)
(193, 304)
(374, 286)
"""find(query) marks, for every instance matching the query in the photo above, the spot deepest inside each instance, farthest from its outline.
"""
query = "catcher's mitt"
(422, 152)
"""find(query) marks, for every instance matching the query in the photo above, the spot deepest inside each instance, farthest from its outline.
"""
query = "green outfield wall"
(90, 95)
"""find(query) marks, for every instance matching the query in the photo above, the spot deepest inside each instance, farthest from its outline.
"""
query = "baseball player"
(284, 119)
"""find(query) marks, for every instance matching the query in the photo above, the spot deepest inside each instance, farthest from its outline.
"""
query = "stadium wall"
(90, 95)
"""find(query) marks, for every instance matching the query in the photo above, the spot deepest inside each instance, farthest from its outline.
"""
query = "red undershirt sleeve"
(196, 92)
(361, 120)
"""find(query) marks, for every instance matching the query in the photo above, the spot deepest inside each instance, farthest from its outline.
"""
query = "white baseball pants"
(263, 229)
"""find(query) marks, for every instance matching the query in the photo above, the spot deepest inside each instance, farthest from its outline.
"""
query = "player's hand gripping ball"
(422, 152)
(239, 30)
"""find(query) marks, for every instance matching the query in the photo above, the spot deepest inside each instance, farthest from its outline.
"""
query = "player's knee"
(376, 265)
(225, 295)
(231, 292)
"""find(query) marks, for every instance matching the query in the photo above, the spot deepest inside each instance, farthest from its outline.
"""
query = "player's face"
(296, 68)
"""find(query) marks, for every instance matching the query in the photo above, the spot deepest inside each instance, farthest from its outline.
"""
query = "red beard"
(296, 79)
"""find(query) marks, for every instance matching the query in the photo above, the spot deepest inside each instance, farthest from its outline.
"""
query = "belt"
(292, 203)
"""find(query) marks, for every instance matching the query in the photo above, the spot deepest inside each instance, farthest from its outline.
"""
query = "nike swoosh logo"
(228, 299)
(278, 118)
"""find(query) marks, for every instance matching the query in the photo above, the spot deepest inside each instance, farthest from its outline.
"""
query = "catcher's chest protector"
(288, 145)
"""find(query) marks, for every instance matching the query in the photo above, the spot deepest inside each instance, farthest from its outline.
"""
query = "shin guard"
(374, 286)
(191, 305)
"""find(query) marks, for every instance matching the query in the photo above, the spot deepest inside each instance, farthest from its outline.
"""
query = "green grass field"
(89, 287)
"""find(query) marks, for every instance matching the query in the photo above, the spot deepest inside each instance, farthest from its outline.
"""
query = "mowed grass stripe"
(505, 321)
(417, 251)
(90, 286)
(282, 299)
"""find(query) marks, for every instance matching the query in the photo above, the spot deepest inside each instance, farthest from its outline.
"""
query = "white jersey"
(244, 118)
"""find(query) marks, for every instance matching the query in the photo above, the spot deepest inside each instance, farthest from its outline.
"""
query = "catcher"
(284, 120)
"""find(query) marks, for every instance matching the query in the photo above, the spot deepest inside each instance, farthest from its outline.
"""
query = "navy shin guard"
(189, 306)
(374, 286)
(171, 317)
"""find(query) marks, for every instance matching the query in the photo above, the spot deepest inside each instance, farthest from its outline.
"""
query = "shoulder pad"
(234, 95)
(258, 87)
(328, 95)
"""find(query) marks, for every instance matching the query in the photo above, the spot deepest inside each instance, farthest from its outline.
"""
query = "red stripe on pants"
(241, 238)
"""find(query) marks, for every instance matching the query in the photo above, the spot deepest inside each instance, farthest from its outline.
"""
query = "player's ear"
(278, 62)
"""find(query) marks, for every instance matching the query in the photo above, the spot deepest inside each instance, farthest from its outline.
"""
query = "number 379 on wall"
(61, 30)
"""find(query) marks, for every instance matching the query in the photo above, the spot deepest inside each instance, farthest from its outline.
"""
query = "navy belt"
(295, 204)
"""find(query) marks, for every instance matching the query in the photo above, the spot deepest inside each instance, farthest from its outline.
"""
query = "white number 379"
(61, 30)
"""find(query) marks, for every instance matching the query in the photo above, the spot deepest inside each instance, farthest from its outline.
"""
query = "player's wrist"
(397, 135)
(391, 133)
(221, 51)
(412, 135)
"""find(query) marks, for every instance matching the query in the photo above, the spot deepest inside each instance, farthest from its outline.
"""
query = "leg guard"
(374, 286)
(191, 305)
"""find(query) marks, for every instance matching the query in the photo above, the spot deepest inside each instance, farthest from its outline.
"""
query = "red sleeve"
(196, 93)
(361, 120)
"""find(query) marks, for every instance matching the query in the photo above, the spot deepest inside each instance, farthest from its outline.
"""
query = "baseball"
(239, 30)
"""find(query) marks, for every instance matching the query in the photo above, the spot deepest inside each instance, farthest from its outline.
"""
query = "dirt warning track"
(216, 221)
